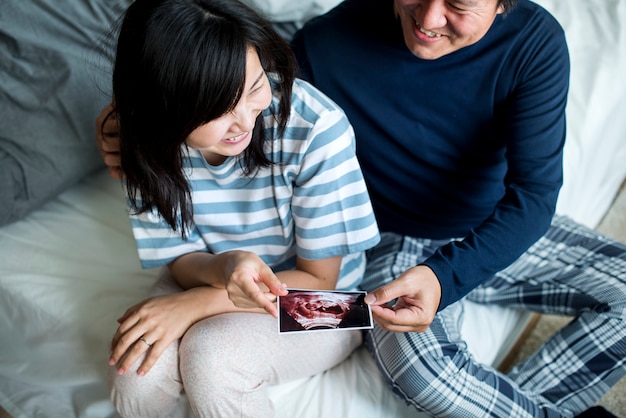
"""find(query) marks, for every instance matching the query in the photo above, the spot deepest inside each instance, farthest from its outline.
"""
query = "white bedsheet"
(68, 270)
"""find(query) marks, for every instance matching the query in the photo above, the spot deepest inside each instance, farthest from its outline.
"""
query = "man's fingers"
(110, 142)
(383, 294)
(112, 159)
(400, 320)
(116, 173)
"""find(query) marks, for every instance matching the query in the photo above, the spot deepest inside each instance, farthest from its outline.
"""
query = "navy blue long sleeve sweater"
(465, 146)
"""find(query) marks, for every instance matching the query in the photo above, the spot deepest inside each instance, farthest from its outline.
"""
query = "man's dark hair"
(508, 5)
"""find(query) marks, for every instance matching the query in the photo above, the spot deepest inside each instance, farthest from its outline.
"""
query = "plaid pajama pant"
(572, 270)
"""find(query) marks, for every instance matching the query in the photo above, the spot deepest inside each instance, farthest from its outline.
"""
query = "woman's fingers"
(143, 345)
(147, 329)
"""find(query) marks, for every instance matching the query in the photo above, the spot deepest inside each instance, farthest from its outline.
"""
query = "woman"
(242, 180)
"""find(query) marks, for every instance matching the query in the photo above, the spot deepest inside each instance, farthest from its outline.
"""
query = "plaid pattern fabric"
(572, 270)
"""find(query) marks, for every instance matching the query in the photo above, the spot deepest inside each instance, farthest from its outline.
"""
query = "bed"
(68, 263)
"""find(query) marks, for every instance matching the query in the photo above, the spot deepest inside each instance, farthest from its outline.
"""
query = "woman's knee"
(214, 353)
(222, 369)
(152, 395)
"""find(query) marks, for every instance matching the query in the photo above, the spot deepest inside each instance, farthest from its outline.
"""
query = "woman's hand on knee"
(147, 329)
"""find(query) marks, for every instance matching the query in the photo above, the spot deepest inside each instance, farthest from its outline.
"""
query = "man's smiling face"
(434, 28)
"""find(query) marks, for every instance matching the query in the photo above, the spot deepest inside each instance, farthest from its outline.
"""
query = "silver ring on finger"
(144, 340)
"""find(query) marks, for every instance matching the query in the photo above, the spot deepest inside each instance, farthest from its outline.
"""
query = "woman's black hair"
(180, 64)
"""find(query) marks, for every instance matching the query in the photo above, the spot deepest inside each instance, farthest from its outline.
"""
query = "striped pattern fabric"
(312, 202)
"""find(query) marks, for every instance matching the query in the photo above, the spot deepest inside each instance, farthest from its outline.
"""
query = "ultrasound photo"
(323, 310)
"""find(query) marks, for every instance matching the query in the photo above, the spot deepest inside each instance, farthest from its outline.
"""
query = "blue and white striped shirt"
(312, 202)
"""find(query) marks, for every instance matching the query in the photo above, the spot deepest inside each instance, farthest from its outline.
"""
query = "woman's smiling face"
(434, 28)
(230, 134)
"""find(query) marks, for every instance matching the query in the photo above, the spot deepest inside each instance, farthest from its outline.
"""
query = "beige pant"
(224, 364)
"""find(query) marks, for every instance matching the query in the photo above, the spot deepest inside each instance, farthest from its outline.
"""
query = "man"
(459, 112)
(458, 108)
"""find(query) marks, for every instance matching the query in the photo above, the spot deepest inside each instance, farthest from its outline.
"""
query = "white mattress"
(68, 270)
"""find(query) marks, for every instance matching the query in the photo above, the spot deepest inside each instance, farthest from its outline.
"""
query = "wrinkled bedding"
(69, 268)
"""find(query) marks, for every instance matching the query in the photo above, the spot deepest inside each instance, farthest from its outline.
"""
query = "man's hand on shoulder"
(108, 141)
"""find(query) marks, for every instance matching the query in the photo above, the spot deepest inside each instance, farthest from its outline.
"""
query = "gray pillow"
(55, 61)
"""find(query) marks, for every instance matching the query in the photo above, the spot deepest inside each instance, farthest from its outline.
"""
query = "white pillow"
(297, 11)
